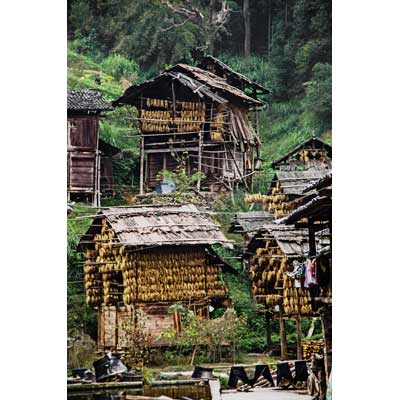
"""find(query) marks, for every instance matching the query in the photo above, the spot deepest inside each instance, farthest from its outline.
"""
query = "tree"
(210, 21)
(247, 32)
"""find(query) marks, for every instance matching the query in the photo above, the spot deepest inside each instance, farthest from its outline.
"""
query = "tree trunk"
(247, 33)
(210, 34)
(193, 354)
(269, 29)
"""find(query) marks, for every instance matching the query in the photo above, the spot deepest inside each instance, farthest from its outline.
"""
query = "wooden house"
(83, 158)
(271, 251)
(306, 163)
(188, 114)
(272, 255)
(234, 78)
(141, 260)
(315, 214)
(107, 153)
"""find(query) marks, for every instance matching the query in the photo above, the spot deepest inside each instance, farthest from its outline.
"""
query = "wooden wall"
(82, 140)
(116, 324)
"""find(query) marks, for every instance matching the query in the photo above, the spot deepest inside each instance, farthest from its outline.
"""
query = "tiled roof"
(89, 100)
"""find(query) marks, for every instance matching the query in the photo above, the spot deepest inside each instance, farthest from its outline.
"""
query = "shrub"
(120, 67)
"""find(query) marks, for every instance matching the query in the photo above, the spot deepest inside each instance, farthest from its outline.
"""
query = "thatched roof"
(154, 225)
(313, 143)
(294, 182)
(292, 241)
(86, 100)
(319, 207)
(247, 222)
(320, 183)
(234, 78)
(199, 82)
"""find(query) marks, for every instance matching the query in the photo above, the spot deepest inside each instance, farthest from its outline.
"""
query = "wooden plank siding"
(82, 140)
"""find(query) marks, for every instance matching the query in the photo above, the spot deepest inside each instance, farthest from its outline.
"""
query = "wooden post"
(298, 342)
(199, 159)
(141, 164)
(326, 321)
(95, 199)
(311, 238)
(282, 329)
(99, 182)
(268, 330)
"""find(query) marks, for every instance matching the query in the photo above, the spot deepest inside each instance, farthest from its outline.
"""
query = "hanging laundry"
(296, 273)
(314, 269)
(310, 273)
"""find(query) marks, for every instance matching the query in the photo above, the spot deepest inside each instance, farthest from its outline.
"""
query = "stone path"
(264, 394)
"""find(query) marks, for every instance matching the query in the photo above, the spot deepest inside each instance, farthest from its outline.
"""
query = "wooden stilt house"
(141, 260)
(315, 214)
(307, 162)
(274, 254)
(190, 113)
(273, 251)
(107, 153)
(83, 158)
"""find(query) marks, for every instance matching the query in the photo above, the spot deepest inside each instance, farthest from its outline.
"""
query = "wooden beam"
(199, 158)
(268, 329)
(170, 150)
(311, 238)
(282, 329)
(298, 341)
(142, 152)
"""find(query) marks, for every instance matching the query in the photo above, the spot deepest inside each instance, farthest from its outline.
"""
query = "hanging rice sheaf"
(272, 286)
(277, 202)
(217, 127)
(185, 117)
(120, 274)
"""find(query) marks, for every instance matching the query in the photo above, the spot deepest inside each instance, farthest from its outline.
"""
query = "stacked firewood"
(311, 346)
